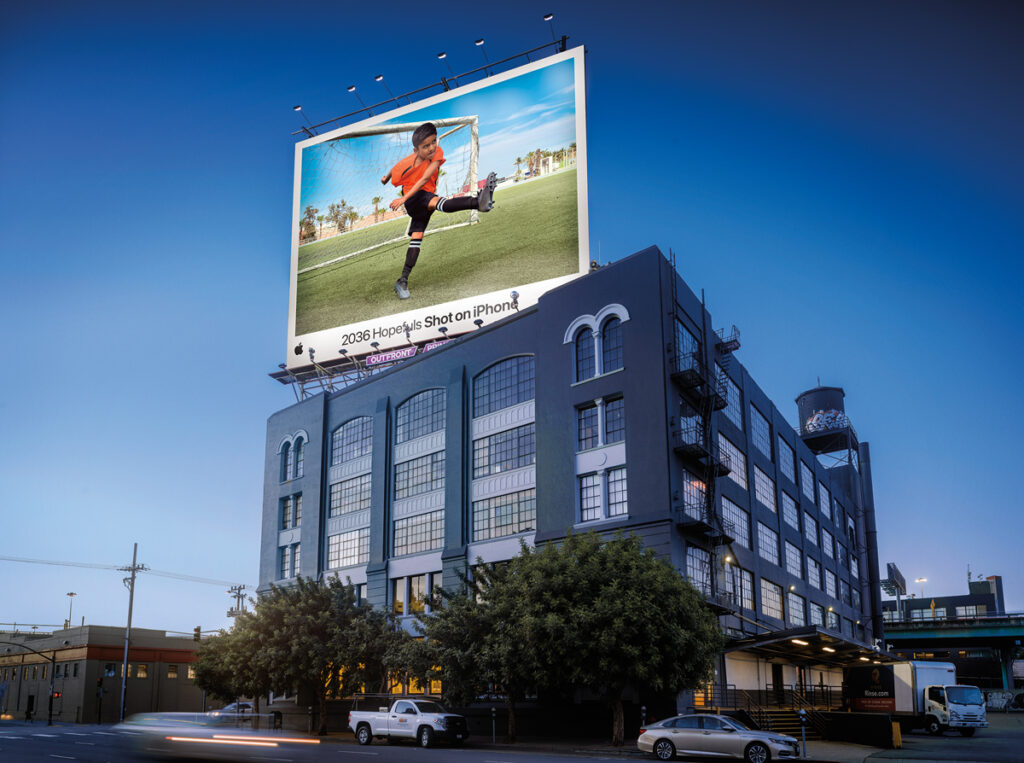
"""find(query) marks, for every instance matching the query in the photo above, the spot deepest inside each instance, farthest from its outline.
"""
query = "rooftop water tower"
(824, 425)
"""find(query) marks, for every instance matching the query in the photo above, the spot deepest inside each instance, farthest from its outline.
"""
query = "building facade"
(609, 406)
(85, 664)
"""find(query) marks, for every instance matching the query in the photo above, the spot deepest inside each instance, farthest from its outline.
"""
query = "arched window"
(287, 463)
(506, 383)
(352, 440)
(611, 345)
(586, 366)
(420, 415)
(300, 456)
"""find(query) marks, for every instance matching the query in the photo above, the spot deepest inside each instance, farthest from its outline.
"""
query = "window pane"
(586, 366)
(793, 560)
(352, 440)
(787, 459)
(586, 427)
(504, 384)
(740, 520)
(810, 529)
(611, 345)
(617, 494)
(771, 599)
(614, 421)
(420, 533)
(767, 543)
(734, 409)
(349, 548)
(734, 458)
(796, 609)
(590, 497)
(760, 432)
(505, 515)
(420, 475)
(698, 569)
(501, 452)
(764, 489)
(807, 481)
(789, 512)
(350, 495)
(824, 501)
(420, 415)
(814, 573)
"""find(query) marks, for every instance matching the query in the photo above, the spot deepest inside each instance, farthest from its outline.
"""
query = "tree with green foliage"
(609, 614)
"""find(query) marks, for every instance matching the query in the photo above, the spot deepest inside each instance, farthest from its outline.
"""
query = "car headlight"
(781, 740)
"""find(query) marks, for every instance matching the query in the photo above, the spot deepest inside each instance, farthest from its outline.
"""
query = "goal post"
(346, 171)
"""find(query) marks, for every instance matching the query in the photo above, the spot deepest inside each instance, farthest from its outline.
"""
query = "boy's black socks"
(457, 203)
(410, 256)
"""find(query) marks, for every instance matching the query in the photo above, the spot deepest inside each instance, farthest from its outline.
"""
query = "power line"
(122, 568)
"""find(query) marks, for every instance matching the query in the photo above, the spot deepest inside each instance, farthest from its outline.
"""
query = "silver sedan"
(714, 735)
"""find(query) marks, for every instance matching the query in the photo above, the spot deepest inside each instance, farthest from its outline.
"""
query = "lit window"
(771, 599)
(611, 345)
(398, 596)
(789, 512)
(764, 489)
(512, 449)
(347, 549)
(504, 384)
(191, 672)
(586, 366)
(417, 594)
(420, 415)
(352, 440)
(767, 543)
(760, 432)
(142, 671)
(172, 671)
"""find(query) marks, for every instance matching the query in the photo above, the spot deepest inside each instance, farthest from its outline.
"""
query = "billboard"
(370, 210)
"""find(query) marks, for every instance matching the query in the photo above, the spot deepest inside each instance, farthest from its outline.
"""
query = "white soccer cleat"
(486, 196)
(402, 288)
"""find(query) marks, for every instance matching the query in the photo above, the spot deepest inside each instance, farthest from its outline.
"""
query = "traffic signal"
(99, 682)
(197, 634)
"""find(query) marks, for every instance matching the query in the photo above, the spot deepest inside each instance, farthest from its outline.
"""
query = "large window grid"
(698, 569)
(826, 543)
(602, 422)
(512, 449)
(830, 583)
(618, 496)
(795, 605)
(739, 584)
(603, 495)
(424, 532)
(767, 543)
(771, 599)
(586, 363)
(824, 501)
(350, 495)
(300, 457)
(760, 432)
(814, 573)
(810, 528)
(287, 462)
(291, 511)
(807, 481)
(289, 558)
(735, 459)
(790, 514)
(505, 515)
(794, 557)
(420, 475)
(590, 497)
(347, 549)
(817, 615)
(352, 440)
(504, 384)
(587, 427)
(420, 415)
(764, 489)
(734, 398)
(614, 421)
(787, 459)
(740, 520)
(688, 354)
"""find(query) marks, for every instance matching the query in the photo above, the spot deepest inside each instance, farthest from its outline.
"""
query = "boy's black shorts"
(419, 210)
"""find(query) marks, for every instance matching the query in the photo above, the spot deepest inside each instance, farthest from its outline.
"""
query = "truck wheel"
(757, 752)
(363, 734)
(932, 726)
(426, 736)
(664, 750)
(966, 732)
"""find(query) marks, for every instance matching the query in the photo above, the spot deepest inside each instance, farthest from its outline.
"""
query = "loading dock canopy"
(809, 646)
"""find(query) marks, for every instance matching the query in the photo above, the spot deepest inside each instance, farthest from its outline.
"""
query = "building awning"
(809, 645)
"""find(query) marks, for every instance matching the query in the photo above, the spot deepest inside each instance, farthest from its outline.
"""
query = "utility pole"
(130, 583)
(238, 592)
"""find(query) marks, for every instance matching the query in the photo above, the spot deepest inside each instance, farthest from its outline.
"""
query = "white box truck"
(918, 694)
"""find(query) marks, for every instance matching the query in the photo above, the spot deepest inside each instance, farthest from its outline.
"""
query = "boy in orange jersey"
(417, 175)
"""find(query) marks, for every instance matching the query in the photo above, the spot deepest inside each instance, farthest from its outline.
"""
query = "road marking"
(76, 734)
(91, 744)
(353, 752)
(44, 735)
(106, 733)
(63, 757)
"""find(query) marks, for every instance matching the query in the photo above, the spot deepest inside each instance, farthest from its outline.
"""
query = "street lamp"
(53, 670)
(922, 581)
(71, 600)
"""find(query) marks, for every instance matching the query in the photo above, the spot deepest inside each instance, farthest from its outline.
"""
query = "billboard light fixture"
(375, 345)
(380, 78)
(352, 89)
(478, 322)
(487, 62)
(443, 56)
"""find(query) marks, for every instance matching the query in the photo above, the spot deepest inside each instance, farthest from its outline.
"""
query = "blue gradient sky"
(844, 181)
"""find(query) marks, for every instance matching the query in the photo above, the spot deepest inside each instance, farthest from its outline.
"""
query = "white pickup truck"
(424, 720)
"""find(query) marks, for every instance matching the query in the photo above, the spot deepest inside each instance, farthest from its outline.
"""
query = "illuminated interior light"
(827, 649)
(801, 643)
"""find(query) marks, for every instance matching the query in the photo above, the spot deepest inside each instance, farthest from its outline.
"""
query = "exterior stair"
(787, 721)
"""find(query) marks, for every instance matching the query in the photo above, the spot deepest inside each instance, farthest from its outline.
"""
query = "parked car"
(235, 708)
(714, 735)
(422, 720)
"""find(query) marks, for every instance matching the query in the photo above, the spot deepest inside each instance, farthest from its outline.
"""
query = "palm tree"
(519, 160)
(376, 207)
(353, 216)
(529, 163)
(320, 219)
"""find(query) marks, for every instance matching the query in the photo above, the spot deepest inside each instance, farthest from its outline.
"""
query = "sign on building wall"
(351, 241)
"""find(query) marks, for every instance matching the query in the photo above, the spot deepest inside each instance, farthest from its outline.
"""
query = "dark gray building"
(610, 405)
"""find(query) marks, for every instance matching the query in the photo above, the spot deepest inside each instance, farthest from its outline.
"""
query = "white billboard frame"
(404, 328)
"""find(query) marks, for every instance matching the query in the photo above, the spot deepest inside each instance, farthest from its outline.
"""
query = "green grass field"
(530, 235)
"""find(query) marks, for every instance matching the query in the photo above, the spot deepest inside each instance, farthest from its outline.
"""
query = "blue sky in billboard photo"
(843, 179)
(533, 110)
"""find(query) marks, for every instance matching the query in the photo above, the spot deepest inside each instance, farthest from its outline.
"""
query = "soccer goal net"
(345, 210)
